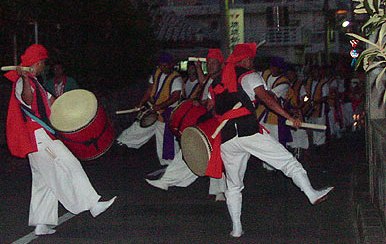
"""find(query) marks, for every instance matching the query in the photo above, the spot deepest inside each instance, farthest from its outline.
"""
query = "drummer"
(178, 173)
(56, 174)
(242, 136)
(163, 93)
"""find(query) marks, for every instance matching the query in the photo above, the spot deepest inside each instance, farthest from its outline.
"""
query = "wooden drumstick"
(218, 129)
(8, 68)
(307, 125)
(127, 111)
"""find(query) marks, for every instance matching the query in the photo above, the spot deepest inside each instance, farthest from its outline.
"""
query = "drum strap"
(92, 141)
(27, 111)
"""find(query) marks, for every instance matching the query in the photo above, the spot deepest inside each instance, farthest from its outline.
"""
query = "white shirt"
(249, 82)
(189, 85)
(205, 92)
(281, 90)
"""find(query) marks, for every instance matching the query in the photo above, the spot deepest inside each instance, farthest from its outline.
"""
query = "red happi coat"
(20, 128)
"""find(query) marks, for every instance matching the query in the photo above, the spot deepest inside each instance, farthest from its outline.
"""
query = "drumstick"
(218, 129)
(307, 125)
(8, 68)
(261, 43)
(127, 111)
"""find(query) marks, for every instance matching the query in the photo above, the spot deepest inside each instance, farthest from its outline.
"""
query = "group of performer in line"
(249, 110)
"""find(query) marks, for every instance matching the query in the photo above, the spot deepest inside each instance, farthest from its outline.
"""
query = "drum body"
(147, 118)
(81, 124)
(184, 115)
(196, 145)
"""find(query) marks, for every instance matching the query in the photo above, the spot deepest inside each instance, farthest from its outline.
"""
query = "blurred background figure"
(60, 82)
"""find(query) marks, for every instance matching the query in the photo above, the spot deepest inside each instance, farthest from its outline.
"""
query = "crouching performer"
(242, 136)
(57, 175)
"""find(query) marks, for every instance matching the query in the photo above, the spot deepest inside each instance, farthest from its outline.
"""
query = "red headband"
(215, 53)
(32, 54)
(241, 51)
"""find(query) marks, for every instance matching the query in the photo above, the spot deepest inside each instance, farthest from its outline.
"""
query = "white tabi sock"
(43, 230)
(100, 207)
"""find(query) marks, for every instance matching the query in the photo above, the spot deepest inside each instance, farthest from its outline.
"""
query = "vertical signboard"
(236, 27)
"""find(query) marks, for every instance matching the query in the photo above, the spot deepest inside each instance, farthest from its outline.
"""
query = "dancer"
(57, 176)
(242, 136)
(178, 173)
(163, 93)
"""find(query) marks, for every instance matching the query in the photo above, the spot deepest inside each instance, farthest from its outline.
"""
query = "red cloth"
(20, 131)
(215, 53)
(19, 139)
(215, 163)
(241, 51)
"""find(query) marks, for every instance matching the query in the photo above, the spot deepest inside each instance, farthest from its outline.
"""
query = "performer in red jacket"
(57, 176)
(242, 136)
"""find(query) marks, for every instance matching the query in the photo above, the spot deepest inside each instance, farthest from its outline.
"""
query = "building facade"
(301, 31)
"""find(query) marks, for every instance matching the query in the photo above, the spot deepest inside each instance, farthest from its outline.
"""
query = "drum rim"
(92, 95)
(208, 147)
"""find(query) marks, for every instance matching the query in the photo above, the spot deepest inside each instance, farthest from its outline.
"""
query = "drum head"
(195, 150)
(73, 110)
(148, 118)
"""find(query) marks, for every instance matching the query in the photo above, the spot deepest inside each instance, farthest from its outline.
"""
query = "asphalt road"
(274, 210)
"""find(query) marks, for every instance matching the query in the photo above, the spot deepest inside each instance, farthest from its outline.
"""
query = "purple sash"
(168, 145)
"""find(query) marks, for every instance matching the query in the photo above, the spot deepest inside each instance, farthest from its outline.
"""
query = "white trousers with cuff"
(57, 176)
(136, 136)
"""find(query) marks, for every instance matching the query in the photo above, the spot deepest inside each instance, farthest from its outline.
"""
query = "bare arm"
(271, 103)
(176, 95)
(27, 93)
(200, 73)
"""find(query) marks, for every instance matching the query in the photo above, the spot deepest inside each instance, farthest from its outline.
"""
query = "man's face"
(247, 63)
(275, 70)
(40, 66)
(291, 75)
(192, 70)
(165, 68)
(58, 70)
(213, 65)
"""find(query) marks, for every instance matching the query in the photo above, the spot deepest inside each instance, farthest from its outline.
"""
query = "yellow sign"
(236, 27)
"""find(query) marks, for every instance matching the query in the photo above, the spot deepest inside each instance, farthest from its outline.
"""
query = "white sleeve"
(177, 84)
(250, 82)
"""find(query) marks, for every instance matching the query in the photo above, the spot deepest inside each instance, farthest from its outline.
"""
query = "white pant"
(299, 139)
(237, 151)
(136, 136)
(57, 176)
(235, 154)
(348, 114)
(334, 125)
(179, 174)
(318, 137)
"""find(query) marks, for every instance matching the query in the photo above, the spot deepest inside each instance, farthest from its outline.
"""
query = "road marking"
(31, 236)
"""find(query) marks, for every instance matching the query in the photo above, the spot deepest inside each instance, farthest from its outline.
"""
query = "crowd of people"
(250, 109)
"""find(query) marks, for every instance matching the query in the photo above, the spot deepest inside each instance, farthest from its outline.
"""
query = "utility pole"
(224, 28)
(327, 29)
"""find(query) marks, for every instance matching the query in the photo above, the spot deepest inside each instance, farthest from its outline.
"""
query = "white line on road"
(31, 236)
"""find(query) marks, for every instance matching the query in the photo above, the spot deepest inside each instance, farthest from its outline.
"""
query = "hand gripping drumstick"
(8, 68)
(218, 129)
(133, 110)
(308, 125)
